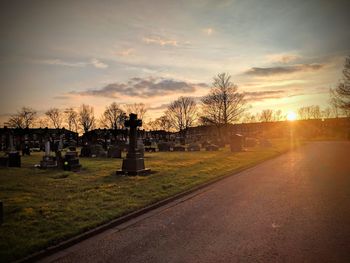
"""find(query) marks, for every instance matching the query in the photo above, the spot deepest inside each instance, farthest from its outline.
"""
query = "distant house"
(35, 137)
(333, 127)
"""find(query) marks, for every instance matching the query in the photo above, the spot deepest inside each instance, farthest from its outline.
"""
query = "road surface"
(294, 208)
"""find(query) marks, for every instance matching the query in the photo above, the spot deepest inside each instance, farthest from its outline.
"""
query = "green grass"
(44, 207)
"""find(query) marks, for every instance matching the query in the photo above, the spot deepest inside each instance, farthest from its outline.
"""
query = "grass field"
(44, 207)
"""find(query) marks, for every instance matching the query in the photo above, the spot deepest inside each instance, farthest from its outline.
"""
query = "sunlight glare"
(291, 116)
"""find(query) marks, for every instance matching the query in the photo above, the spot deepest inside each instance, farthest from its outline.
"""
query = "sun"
(291, 116)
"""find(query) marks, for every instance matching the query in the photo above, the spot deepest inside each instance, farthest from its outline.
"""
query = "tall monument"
(134, 163)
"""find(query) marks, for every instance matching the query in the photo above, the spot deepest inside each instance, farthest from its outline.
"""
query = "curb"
(118, 221)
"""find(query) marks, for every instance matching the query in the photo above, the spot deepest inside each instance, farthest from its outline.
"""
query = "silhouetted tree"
(71, 119)
(24, 118)
(277, 115)
(266, 115)
(309, 112)
(326, 112)
(137, 108)
(55, 116)
(305, 113)
(223, 104)
(315, 112)
(113, 117)
(340, 96)
(163, 123)
(248, 117)
(182, 113)
(86, 117)
(41, 122)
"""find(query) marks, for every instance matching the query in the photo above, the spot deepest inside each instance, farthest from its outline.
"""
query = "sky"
(282, 54)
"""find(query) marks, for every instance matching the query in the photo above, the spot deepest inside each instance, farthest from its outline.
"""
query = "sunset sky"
(283, 54)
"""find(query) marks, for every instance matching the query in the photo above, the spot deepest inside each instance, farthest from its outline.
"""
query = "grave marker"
(134, 163)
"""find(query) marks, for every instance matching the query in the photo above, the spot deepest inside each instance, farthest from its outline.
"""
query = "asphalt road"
(294, 208)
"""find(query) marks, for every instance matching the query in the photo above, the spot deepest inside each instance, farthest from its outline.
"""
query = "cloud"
(60, 62)
(208, 31)
(283, 70)
(61, 97)
(126, 52)
(263, 95)
(94, 62)
(143, 88)
(160, 41)
(160, 107)
(98, 64)
(282, 58)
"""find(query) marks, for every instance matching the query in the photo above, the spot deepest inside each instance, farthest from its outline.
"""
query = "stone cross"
(134, 163)
(133, 123)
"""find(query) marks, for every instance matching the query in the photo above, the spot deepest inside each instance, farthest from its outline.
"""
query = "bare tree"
(86, 117)
(302, 113)
(182, 113)
(137, 108)
(248, 117)
(163, 123)
(223, 105)
(326, 113)
(305, 113)
(309, 112)
(277, 116)
(55, 117)
(315, 112)
(335, 110)
(71, 119)
(113, 117)
(24, 118)
(15, 121)
(41, 122)
(266, 115)
(340, 96)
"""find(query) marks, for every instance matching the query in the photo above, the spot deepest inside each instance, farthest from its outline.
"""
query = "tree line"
(82, 119)
(223, 105)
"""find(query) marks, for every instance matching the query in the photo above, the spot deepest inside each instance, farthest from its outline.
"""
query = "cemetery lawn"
(44, 207)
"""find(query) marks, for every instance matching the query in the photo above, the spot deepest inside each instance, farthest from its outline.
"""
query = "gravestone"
(114, 151)
(1, 213)
(134, 163)
(193, 147)
(250, 142)
(164, 147)
(26, 150)
(237, 142)
(141, 146)
(59, 158)
(150, 145)
(14, 158)
(265, 143)
(95, 150)
(220, 144)
(72, 148)
(60, 143)
(204, 144)
(211, 147)
(4, 160)
(71, 161)
(179, 148)
(48, 160)
(98, 151)
(85, 151)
